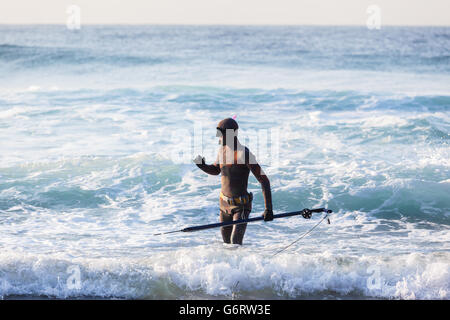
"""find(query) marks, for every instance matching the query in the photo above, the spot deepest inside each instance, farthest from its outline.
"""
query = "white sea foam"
(221, 272)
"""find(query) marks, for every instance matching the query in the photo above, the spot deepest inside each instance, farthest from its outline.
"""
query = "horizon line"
(220, 24)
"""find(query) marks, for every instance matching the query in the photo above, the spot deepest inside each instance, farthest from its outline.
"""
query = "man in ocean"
(235, 161)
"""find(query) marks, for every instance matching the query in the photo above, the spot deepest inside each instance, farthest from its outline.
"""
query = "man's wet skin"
(235, 162)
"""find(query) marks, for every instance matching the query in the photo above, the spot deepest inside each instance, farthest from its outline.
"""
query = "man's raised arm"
(213, 169)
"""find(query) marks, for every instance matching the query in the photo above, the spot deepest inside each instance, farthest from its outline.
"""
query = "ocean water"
(90, 121)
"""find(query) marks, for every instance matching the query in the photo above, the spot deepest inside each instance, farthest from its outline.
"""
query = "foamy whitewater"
(87, 177)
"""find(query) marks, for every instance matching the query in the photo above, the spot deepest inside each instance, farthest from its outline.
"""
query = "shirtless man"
(234, 161)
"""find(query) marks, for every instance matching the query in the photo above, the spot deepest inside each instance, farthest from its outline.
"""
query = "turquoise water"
(90, 121)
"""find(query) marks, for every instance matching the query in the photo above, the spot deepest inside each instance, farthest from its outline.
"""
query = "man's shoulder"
(248, 155)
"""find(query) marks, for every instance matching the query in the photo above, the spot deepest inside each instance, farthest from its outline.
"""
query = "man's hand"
(199, 160)
(268, 215)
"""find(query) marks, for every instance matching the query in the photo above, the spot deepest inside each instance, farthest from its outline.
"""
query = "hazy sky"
(322, 12)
